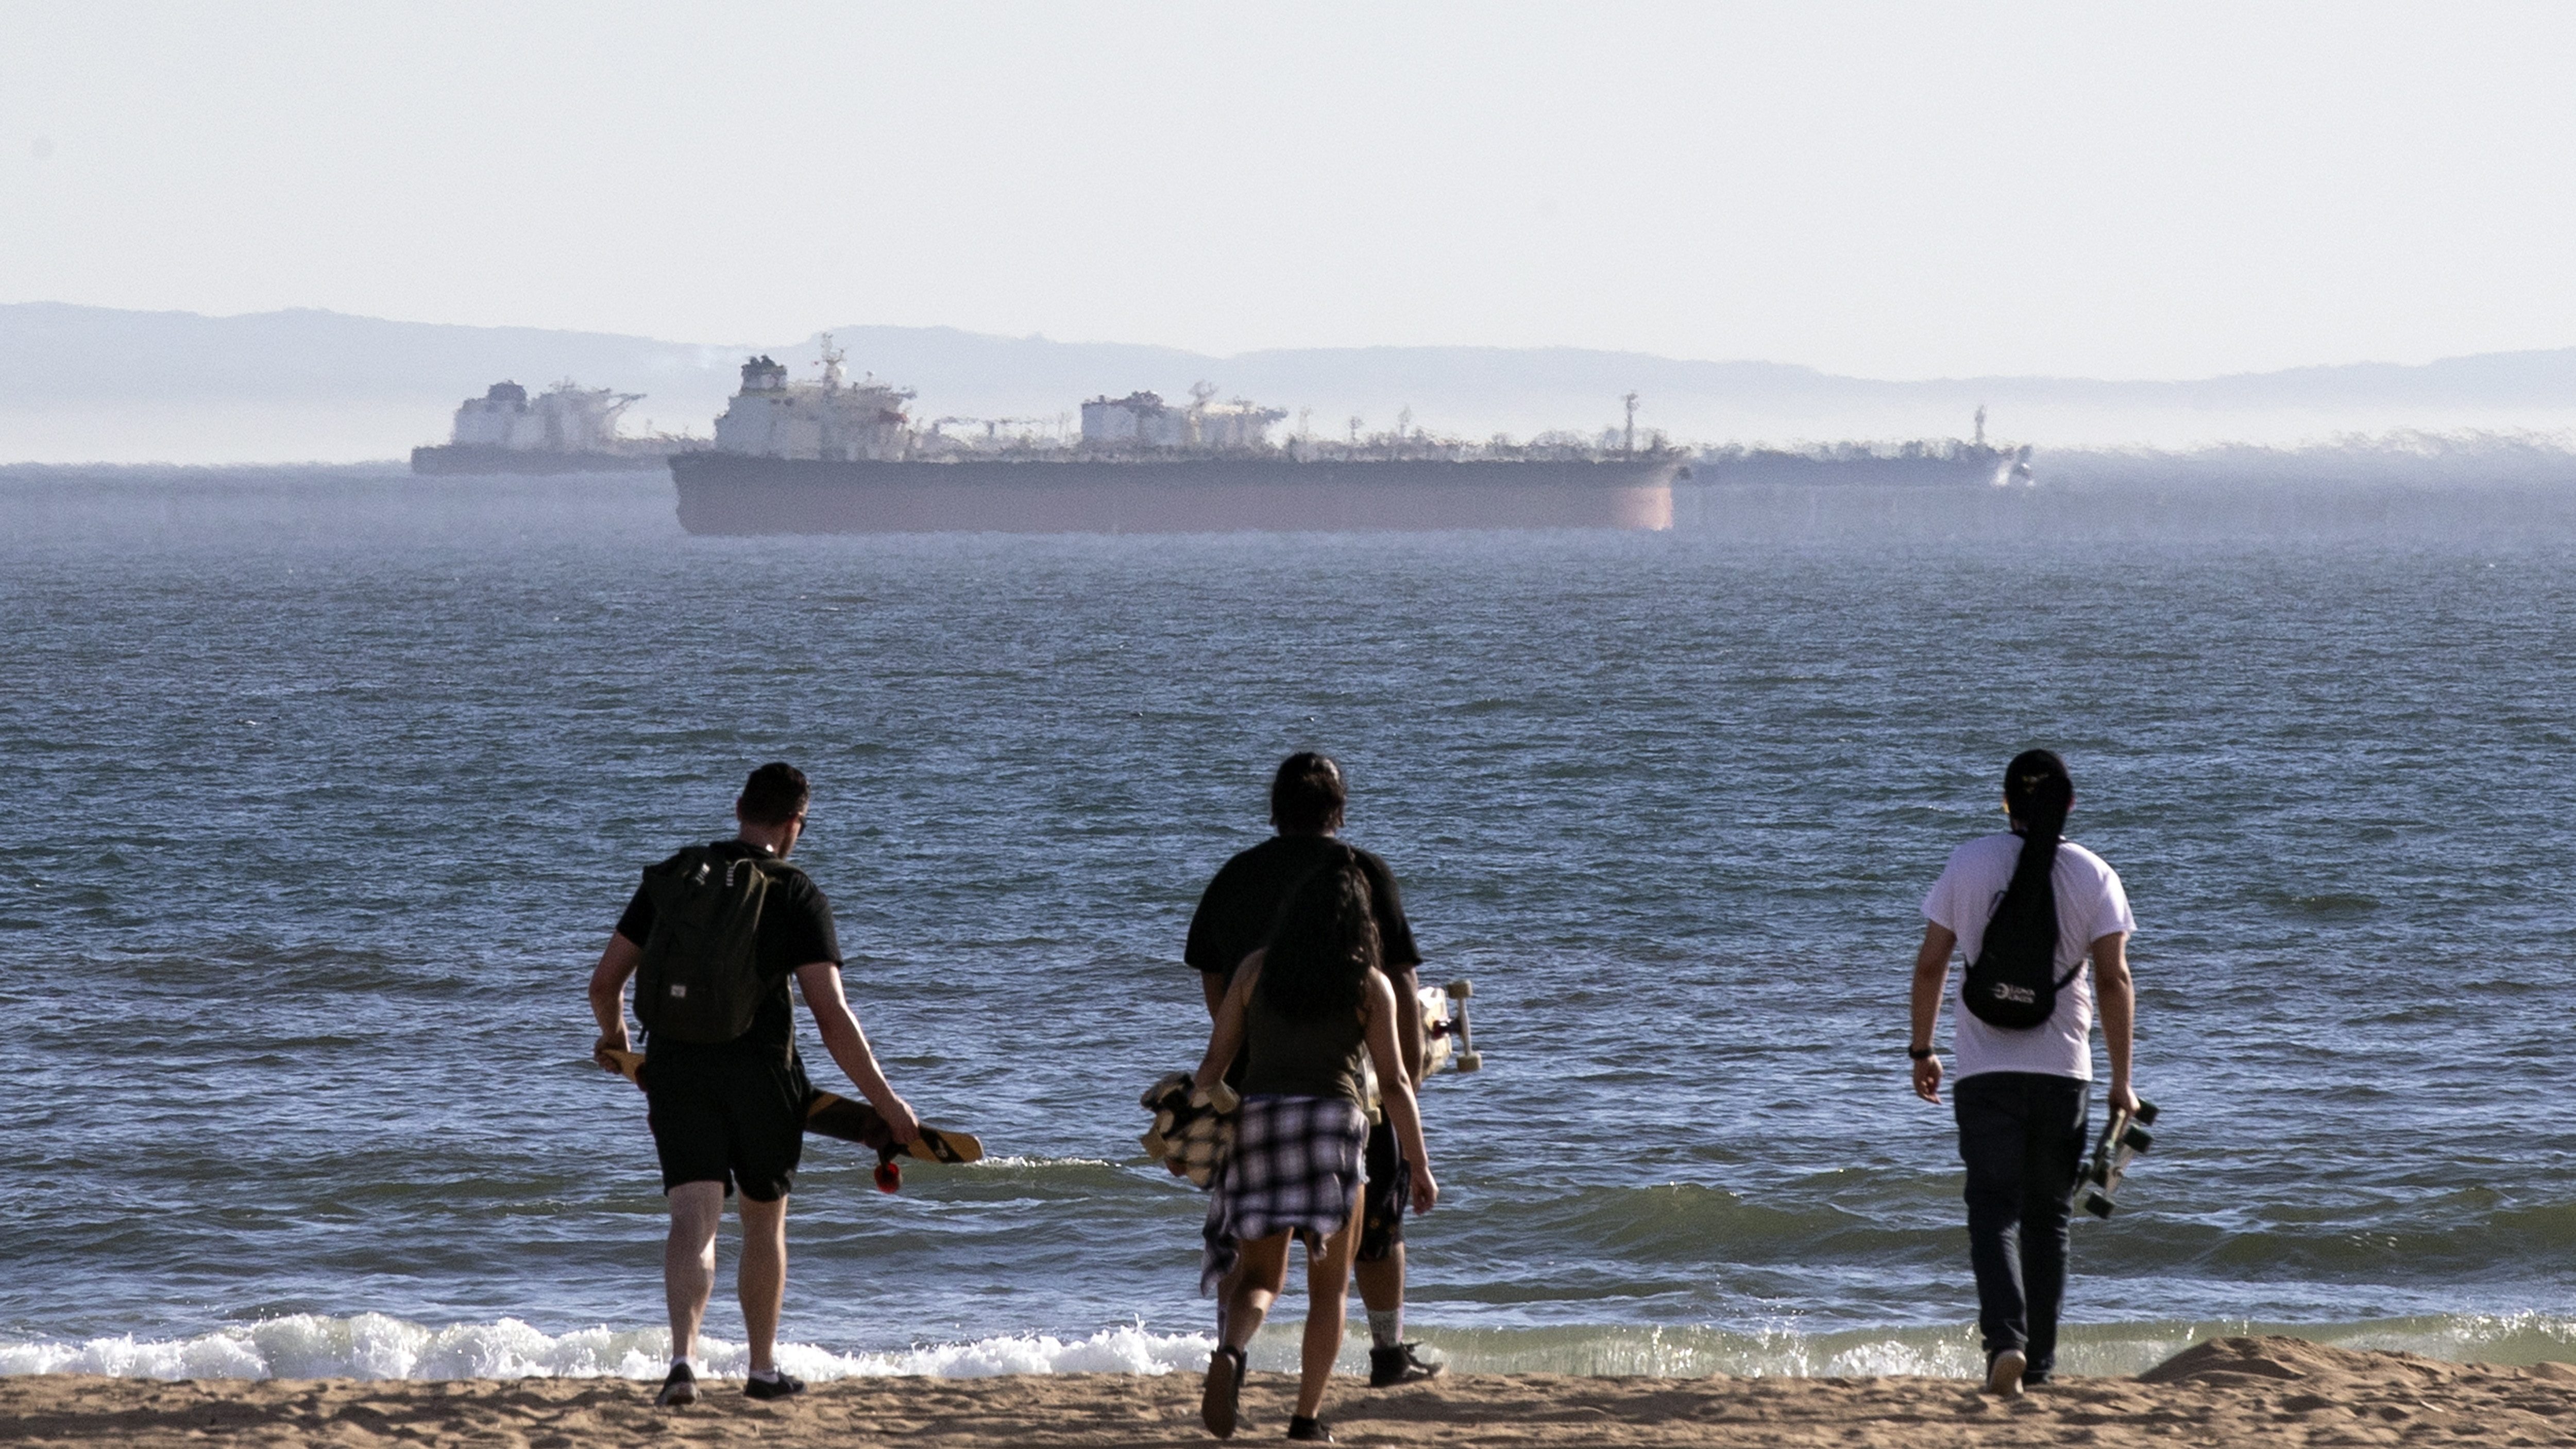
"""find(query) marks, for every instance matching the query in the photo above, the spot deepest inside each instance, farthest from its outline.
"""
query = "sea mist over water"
(325, 788)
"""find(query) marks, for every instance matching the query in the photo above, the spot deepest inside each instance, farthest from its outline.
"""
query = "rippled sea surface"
(322, 791)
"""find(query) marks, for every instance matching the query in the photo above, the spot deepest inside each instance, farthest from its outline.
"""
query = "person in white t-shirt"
(2021, 1098)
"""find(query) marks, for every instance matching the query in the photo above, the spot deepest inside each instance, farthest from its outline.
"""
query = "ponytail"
(2038, 792)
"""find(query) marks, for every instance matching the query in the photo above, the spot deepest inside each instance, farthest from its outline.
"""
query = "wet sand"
(2232, 1391)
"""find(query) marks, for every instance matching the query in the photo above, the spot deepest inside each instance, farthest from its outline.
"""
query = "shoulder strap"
(686, 858)
(774, 871)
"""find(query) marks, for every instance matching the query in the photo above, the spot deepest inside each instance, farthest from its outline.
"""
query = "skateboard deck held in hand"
(2123, 1138)
(829, 1114)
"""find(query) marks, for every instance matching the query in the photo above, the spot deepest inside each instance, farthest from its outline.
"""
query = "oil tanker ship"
(843, 456)
(1973, 462)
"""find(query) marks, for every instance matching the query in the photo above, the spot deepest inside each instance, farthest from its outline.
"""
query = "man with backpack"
(711, 938)
(2028, 911)
(1234, 919)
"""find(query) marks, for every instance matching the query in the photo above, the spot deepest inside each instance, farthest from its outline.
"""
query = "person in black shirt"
(1234, 919)
(731, 1115)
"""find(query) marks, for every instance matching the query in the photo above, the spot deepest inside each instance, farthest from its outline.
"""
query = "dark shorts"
(1382, 1202)
(732, 1117)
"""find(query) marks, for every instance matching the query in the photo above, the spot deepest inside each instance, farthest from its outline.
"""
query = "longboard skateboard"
(1451, 1048)
(2123, 1138)
(1444, 1015)
(829, 1114)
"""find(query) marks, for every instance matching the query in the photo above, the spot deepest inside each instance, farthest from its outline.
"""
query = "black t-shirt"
(1242, 904)
(795, 930)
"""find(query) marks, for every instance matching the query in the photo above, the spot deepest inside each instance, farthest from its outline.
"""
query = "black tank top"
(1322, 1058)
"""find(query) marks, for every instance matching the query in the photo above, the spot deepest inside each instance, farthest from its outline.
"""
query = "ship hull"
(732, 493)
(466, 458)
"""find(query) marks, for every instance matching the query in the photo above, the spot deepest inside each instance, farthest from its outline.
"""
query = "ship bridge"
(833, 419)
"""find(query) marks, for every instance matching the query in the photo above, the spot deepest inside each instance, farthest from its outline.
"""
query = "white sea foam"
(373, 1346)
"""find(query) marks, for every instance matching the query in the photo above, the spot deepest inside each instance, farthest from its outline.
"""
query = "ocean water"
(323, 789)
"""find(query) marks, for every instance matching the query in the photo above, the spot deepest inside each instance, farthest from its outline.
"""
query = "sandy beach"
(2230, 1391)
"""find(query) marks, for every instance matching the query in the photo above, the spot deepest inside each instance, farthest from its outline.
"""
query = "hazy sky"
(1898, 190)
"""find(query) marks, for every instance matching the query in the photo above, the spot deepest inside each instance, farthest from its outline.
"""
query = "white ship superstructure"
(565, 418)
(1144, 420)
(834, 420)
(567, 428)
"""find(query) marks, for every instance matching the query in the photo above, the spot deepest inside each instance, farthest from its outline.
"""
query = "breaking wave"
(374, 1346)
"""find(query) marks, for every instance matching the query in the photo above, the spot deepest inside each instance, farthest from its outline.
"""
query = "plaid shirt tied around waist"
(1295, 1168)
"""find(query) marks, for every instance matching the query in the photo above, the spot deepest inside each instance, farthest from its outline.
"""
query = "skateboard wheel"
(1460, 989)
(1471, 1061)
(2146, 1114)
(2136, 1140)
(2098, 1205)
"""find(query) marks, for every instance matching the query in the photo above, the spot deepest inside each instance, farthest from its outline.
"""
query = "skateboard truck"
(1465, 1057)
(2123, 1138)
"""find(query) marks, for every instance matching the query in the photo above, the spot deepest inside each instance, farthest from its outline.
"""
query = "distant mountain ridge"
(57, 350)
(308, 383)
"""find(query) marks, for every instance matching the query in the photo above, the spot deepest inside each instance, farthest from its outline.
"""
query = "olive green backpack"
(700, 978)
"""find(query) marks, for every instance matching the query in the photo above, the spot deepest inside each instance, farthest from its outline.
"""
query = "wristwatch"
(1918, 1053)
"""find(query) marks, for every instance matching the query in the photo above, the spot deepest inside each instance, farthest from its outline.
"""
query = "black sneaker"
(781, 1387)
(1399, 1365)
(1312, 1431)
(679, 1389)
(1224, 1387)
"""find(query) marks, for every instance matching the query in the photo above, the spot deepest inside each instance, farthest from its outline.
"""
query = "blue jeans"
(2021, 1135)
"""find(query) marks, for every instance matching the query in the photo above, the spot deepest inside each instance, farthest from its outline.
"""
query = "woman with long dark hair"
(1314, 1012)
(2029, 910)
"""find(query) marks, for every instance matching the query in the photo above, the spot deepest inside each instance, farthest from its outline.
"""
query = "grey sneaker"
(2003, 1373)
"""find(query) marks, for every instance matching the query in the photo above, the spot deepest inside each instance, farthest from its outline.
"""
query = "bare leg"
(1328, 1302)
(689, 1260)
(763, 1277)
(1259, 1273)
(1244, 1297)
